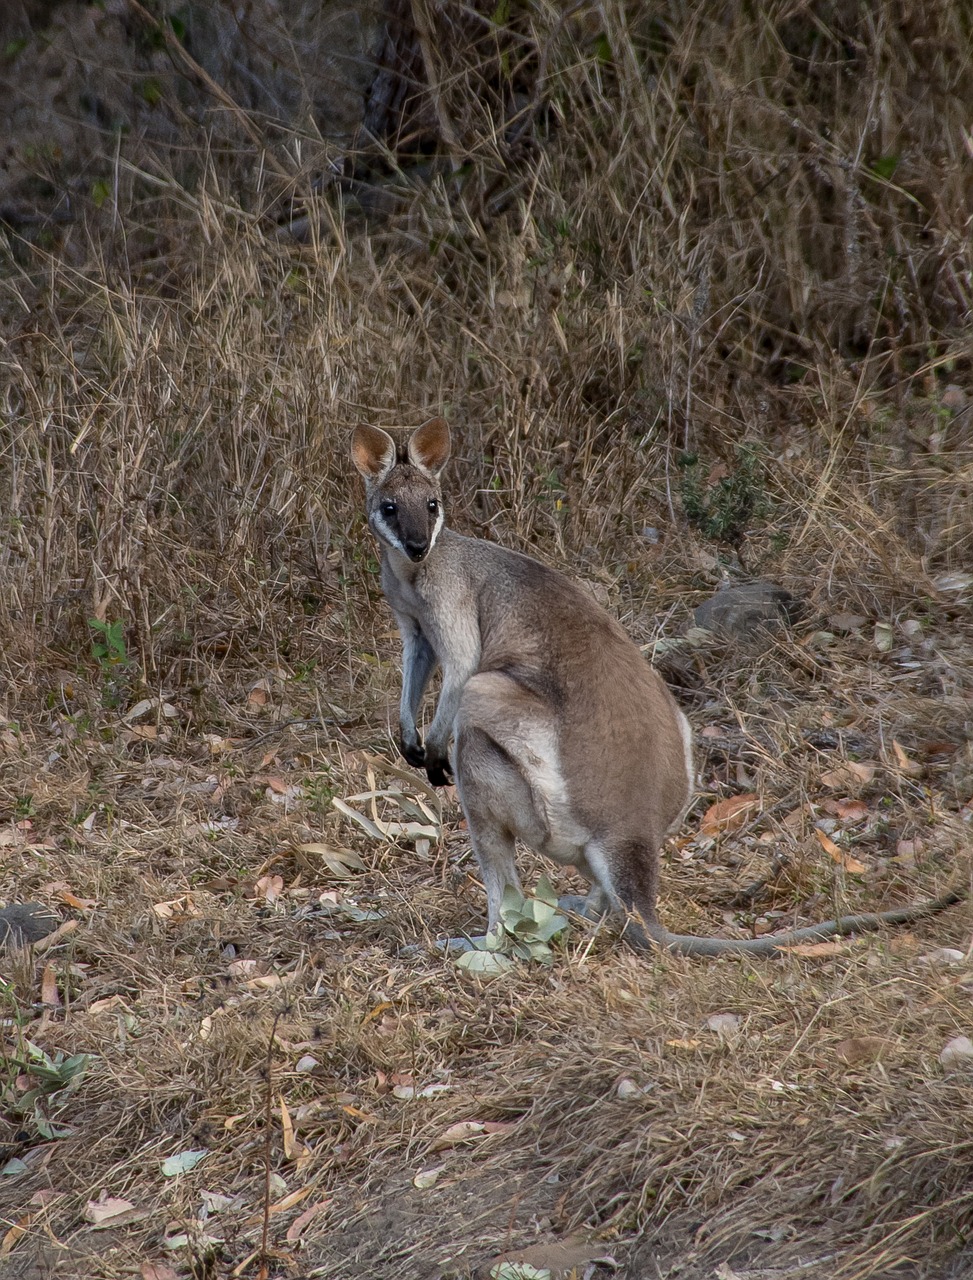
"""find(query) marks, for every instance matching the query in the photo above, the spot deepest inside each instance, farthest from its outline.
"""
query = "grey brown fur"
(564, 737)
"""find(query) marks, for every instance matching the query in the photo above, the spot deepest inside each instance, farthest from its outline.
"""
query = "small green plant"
(108, 644)
(723, 507)
(51, 1079)
(526, 929)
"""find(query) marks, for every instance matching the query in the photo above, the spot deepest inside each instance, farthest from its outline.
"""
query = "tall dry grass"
(714, 226)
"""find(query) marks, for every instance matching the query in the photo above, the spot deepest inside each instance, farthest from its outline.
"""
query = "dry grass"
(714, 229)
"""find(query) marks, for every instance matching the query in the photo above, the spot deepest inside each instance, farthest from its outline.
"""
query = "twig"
(264, 1254)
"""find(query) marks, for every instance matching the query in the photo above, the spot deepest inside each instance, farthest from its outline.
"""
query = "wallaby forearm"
(418, 664)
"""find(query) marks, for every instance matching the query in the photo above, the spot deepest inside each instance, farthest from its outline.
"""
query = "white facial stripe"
(377, 521)
(436, 527)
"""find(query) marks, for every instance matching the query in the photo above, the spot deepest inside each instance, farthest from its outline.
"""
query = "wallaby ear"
(428, 446)
(373, 452)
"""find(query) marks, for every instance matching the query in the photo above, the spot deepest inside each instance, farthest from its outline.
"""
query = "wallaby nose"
(416, 550)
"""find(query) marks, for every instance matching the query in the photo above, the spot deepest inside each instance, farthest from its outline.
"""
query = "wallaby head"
(402, 496)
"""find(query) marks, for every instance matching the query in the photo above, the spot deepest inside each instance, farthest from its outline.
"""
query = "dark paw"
(414, 753)
(439, 773)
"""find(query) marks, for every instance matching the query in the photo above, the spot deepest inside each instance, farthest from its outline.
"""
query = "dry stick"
(268, 1112)
(206, 80)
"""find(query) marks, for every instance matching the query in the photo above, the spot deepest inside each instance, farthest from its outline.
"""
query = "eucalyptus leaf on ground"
(339, 861)
(488, 964)
(182, 1163)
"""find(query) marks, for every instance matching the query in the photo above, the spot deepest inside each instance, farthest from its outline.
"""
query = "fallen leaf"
(269, 981)
(106, 1208)
(147, 732)
(366, 1117)
(274, 783)
(339, 861)
(294, 1149)
(849, 774)
(883, 636)
(944, 955)
(269, 887)
(857, 1049)
(290, 1200)
(726, 1025)
(427, 1178)
(49, 993)
(846, 621)
(851, 810)
(157, 1271)
(912, 768)
(957, 1052)
(297, 1226)
(953, 581)
(259, 694)
(463, 1131)
(80, 904)
(687, 1043)
(182, 1163)
(176, 908)
(726, 815)
(627, 1089)
(844, 860)
(909, 850)
(14, 1234)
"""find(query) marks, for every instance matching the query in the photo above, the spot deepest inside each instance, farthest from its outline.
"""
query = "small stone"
(957, 1052)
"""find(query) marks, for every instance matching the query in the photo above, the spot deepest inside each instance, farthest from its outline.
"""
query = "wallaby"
(563, 735)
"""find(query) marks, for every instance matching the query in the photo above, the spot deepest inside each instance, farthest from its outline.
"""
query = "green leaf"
(885, 166)
(182, 1163)
(488, 964)
(151, 90)
(518, 1271)
(544, 892)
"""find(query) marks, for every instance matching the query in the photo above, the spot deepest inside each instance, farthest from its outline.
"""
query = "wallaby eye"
(433, 506)
(389, 508)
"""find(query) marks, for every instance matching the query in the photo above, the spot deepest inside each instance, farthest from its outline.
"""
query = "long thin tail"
(647, 936)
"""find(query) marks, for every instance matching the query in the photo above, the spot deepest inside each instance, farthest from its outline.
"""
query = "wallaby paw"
(439, 772)
(572, 902)
(413, 753)
(454, 946)
(578, 904)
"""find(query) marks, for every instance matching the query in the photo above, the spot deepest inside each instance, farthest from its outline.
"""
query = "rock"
(25, 922)
(746, 612)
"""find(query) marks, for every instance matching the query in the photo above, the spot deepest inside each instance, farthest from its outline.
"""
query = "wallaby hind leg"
(499, 807)
(623, 877)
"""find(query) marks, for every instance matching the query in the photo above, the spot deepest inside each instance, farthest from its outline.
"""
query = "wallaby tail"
(648, 935)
